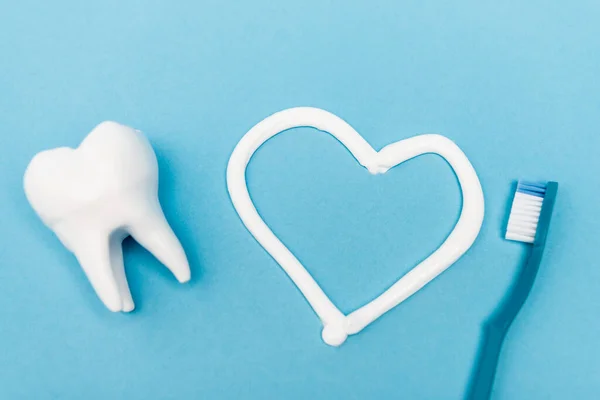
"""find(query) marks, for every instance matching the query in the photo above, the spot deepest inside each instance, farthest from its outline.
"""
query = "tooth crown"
(94, 196)
(113, 158)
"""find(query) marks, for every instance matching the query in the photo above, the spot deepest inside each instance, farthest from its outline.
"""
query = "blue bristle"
(537, 189)
(541, 185)
(530, 192)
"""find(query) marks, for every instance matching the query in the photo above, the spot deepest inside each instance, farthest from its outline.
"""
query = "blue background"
(514, 83)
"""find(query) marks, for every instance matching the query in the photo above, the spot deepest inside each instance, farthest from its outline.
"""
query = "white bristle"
(524, 215)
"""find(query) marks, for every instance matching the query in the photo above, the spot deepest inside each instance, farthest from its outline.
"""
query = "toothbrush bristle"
(525, 211)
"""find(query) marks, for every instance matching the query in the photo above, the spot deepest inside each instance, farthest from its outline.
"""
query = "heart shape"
(336, 325)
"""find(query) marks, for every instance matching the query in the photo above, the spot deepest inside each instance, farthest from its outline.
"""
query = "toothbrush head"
(531, 211)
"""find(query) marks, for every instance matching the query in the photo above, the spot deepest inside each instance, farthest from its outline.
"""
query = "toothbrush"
(528, 223)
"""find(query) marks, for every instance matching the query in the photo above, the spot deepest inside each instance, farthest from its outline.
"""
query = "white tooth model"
(96, 195)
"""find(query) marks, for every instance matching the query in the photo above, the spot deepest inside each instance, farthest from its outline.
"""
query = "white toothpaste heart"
(338, 326)
(96, 195)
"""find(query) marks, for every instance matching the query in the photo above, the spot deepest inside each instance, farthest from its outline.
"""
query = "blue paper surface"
(514, 83)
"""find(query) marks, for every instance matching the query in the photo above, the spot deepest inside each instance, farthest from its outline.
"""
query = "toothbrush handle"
(497, 327)
(485, 369)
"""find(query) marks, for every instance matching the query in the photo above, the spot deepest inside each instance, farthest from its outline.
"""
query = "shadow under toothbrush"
(489, 333)
(488, 323)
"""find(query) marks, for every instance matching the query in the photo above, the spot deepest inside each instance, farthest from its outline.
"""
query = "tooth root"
(94, 258)
(154, 233)
(118, 269)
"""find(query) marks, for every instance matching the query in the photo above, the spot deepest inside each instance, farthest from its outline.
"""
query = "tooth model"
(95, 196)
